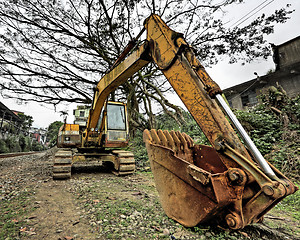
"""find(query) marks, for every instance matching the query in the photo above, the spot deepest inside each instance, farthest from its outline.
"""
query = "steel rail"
(16, 154)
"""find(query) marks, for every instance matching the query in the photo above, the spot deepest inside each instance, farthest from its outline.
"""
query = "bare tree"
(56, 51)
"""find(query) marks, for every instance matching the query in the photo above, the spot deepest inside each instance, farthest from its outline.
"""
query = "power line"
(248, 13)
(255, 12)
(242, 20)
(247, 88)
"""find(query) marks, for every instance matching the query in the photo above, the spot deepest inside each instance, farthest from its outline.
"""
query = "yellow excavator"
(228, 182)
(107, 141)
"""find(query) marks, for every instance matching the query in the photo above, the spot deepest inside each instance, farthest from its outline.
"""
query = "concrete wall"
(289, 53)
(290, 84)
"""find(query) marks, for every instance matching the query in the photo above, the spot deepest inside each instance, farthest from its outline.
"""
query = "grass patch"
(11, 213)
(291, 205)
(129, 208)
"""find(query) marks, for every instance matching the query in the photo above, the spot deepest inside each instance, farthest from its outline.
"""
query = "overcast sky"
(226, 75)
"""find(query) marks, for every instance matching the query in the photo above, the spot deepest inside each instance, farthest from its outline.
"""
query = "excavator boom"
(197, 183)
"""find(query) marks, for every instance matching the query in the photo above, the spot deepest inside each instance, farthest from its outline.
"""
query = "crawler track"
(123, 161)
(126, 162)
(62, 164)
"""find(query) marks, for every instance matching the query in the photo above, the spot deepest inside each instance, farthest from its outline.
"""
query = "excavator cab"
(113, 125)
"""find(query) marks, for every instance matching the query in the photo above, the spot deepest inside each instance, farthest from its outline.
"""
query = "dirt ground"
(102, 206)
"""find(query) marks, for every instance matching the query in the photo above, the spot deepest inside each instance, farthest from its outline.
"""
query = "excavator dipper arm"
(197, 183)
(109, 82)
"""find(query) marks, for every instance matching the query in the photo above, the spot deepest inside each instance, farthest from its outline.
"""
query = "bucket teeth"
(189, 140)
(180, 143)
(155, 137)
(176, 141)
(183, 141)
(170, 140)
(162, 138)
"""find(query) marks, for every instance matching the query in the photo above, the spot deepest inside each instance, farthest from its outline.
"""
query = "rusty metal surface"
(188, 194)
(195, 183)
(115, 144)
(195, 186)
(16, 154)
(207, 158)
(231, 167)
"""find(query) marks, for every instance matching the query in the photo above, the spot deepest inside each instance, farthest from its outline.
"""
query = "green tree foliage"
(20, 143)
(12, 143)
(189, 126)
(3, 146)
(166, 122)
(140, 153)
(36, 146)
(27, 121)
(25, 143)
(53, 132)
(262, 126)
(275, 130)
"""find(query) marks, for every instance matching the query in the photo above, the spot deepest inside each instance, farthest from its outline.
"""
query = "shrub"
(3, 147)
(36, 146)
(275, 133)
(140, 153)
(12, 142)
(25, 143)
(262, 126)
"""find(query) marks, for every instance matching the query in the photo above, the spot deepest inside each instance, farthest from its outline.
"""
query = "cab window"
(116, 117)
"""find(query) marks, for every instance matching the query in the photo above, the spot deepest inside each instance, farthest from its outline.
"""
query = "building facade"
(81, 115)
(286, 75)
(39, 135)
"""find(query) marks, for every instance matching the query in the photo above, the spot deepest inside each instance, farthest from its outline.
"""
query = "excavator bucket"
(195, 186)
(183, 176)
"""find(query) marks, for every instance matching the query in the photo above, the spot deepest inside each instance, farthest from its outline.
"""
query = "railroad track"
(16, 154)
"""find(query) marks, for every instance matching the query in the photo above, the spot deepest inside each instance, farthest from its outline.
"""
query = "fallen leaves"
(68, 238)
(15, 221)
(29, 232)
(111, 198)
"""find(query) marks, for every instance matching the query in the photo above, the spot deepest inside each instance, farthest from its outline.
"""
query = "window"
(249, 99)
(245, 100)
(100, 120)
(116, 117)
(81, 113)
